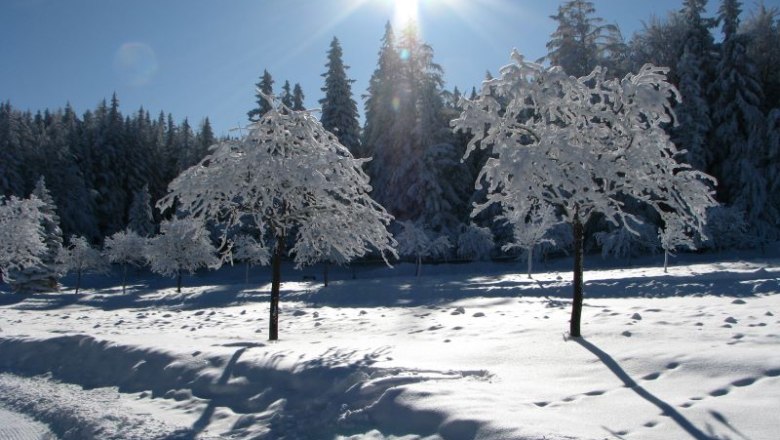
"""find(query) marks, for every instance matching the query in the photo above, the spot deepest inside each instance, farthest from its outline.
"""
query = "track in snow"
(14, 426)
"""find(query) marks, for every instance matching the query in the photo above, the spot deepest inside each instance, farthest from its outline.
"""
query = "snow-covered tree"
(414, 240)
(289, 174)
(674, 235)
(584, 145)
(183, 245)
(45, 275)
(531, 230)
(693, 115)
(581, 41)
(475, 243)
(298, 98)
(264, 88)
(21, 241)
(80, 257)
(141, 220)
(738, 123)
(251, 251)
(126, 248)
(339, 110)
(628, 240)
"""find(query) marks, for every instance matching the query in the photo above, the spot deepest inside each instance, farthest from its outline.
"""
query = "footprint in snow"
(719, 392)
(730, 320)
(652, 376)
(478, 315)
(672, 365)
(541, 404)
(738, 301)
(458, 311)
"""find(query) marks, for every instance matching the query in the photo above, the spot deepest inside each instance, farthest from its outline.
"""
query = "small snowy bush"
(475, 243)
(183, 245)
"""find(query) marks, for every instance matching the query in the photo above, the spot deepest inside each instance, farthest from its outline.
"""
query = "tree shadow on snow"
(666, 409)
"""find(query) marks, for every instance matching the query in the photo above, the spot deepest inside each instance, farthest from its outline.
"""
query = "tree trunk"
(78, 281)
(276, 281)
(530, 260)
(576, 305)
(246, 274)
(325, 274)
(666, 261)
(419, 265)
(178, 281)
(124, 278)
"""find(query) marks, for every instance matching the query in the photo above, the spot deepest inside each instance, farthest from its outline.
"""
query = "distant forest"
(728, 122)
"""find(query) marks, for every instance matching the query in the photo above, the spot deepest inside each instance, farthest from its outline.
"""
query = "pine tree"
(45, 275)
(287, 96)
(693, 115)
(298, 98)
(264, 87)
(581, 42)
(738, 122)
(379, 107)
(763, 33)
(10, 152)
(339, 110)
(140, 217)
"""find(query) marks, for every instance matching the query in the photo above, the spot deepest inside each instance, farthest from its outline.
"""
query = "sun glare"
(405, 11)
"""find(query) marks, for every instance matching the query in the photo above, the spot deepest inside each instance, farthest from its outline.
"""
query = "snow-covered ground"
(462, 352)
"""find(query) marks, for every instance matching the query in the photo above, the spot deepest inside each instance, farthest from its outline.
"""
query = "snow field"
(452, 356)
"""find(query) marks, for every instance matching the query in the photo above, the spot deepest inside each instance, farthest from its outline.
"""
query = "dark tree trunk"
(124, 278)
(576, 305)
(419, 265)
(325, 274)
(276, 280)
(178, 281)
(78, 281)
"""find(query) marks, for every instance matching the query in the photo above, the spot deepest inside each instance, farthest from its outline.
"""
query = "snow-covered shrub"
(80, 257)
(532, 230)
(21, 240)
(727, 228)
(415, 241)
(251, 251)
(626, 242)
(126, 248)
(475, 243)
(183, 245)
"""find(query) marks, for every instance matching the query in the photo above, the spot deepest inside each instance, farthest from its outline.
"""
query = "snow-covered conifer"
(126, 248)
(339, 110)
(531, 230)
(584, 145)
(80, 257)
(475, 243)
(627, 241)
(45, 275)
(264, 88)
(21, 241)
(183, 245)
(289, 174)
(414, 240)
(141, 220)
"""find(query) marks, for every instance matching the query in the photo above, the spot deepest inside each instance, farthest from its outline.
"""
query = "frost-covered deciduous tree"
(126, 248)
(531, 230)
(291, 176)
(475, 243)
(674, 235)
(80, 257)
(21, 241)
(251, 251)
(584, 145)
(415, 241)
(183, 245)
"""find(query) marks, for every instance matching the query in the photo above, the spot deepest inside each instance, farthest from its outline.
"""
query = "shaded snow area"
(462, 352)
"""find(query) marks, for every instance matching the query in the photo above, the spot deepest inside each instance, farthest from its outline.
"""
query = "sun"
(406, 10)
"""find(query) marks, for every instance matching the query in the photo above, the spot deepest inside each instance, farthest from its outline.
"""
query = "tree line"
(728, 125)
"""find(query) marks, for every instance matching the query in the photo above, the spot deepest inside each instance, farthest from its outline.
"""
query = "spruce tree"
(581, 41)
(265, 86)
(45, 275)
(298, 98)
(141, 220)
(379, 107)
(339, 110)
(287, 96)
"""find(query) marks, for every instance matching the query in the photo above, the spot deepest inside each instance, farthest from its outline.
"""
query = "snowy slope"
(465, 351)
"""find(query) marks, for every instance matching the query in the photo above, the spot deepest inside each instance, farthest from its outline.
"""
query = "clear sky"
(198, 58)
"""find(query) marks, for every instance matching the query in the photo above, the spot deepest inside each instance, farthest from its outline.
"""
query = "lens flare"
(396, 103)
(405, 11)
(135, 64)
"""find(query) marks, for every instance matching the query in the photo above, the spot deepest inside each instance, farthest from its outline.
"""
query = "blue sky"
(198, 58)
